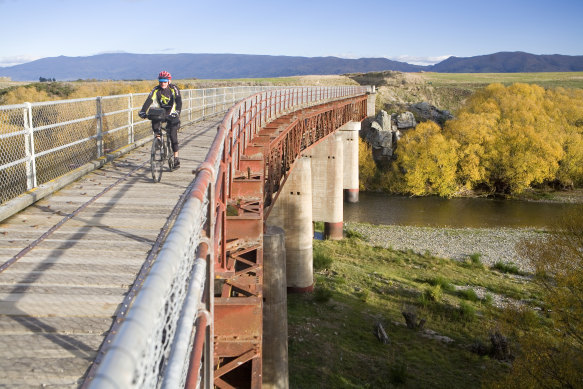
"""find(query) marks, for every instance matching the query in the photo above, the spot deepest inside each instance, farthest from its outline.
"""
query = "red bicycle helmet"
(164, 74)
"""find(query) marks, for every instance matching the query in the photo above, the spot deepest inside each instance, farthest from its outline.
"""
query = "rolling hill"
(126, 66)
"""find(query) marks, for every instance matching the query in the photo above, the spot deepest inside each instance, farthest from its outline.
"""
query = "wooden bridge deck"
(58, 300)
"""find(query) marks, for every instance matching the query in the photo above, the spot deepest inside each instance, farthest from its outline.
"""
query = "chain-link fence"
(42, 141)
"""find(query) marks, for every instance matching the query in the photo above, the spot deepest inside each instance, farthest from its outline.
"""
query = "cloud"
(111, 52)
(16, 59)
(413, 60)
(410, 59)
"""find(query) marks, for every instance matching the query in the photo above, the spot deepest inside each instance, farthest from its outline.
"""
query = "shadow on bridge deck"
(74, 261)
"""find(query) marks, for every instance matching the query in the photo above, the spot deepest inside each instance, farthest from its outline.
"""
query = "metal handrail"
(143, 354)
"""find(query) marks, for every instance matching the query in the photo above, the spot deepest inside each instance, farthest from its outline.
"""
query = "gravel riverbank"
(494, 244)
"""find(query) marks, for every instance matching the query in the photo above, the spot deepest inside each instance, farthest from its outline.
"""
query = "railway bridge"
(108, 280)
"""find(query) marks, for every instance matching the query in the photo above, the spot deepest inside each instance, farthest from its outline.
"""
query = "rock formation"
(424, 111)
(382, 133)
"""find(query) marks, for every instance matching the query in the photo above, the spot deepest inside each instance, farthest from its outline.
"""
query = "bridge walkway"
(59, 298)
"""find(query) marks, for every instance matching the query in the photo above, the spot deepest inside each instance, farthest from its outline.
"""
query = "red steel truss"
(256, 152)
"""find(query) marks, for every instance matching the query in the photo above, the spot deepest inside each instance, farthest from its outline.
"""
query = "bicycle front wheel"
(157, 159)
(170, 155)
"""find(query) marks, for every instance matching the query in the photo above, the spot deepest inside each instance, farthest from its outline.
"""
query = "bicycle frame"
(161, 152)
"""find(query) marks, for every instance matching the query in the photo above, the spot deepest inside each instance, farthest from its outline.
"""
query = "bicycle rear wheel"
(157, 159)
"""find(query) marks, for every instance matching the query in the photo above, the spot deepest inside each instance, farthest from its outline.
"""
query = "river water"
(381, 208)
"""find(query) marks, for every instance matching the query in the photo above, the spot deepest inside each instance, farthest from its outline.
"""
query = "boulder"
(425, 111)
(379, 134)
(405, 120)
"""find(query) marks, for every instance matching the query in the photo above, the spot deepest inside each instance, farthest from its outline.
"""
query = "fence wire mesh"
(139, 355)
(42, 141)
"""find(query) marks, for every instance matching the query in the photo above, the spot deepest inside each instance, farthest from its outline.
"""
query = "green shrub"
(363, 295)
(442, 282)
(430, 295)
(398, 373)
(467, 312)
(318, 226)
(322, 295)
(476, 258)
(468, 294)
(352, 234)
(322, 260)
(506, 267)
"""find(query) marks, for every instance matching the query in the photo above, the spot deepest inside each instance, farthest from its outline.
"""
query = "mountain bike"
(161, 148)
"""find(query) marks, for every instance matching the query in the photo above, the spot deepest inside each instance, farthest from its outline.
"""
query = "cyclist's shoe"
(176, 163)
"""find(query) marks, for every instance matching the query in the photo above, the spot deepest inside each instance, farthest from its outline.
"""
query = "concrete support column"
(293, 212)
(349, 133)
(370, 102)
(275, 353)
(327, 177)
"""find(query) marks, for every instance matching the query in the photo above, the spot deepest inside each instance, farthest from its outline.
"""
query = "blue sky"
(418, 31)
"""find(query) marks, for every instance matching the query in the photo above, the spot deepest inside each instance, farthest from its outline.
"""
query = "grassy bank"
(332, 341)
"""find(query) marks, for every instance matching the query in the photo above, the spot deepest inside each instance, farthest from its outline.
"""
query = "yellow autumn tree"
(367, 169)
(512, 138)
(428, 161)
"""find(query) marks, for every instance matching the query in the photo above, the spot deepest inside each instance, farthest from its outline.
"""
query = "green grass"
(546, 80)
(331, 331)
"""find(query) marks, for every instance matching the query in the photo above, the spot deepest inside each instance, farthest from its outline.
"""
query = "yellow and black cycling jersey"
(168, 98)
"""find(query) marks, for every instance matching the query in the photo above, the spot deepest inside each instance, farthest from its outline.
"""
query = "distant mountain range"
(125, 66)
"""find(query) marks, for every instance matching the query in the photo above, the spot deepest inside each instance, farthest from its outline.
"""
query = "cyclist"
(166, 95)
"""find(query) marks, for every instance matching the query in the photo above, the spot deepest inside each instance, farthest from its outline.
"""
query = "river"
(381, 208)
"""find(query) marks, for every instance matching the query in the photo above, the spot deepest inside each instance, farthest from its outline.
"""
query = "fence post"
(190, 105)
(31, 181)
(99, 118)
(203, 103)
(224, 99)
(131, 119)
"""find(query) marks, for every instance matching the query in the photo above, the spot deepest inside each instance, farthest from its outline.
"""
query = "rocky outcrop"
(382, 133)
(424, 111)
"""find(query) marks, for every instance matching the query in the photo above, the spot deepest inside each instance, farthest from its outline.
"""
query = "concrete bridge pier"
(275, 352)
(327, 182)
(349, 133)
(293, 212)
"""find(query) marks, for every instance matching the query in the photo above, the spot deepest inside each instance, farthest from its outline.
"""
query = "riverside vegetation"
(450, 323)
(504, 140)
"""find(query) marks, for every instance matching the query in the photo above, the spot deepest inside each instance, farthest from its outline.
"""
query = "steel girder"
(264, 162)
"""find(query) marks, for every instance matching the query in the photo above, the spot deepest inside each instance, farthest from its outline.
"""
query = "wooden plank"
(49, 345)
(72, 268)
(56, 289)
(58, 304)
(15, 324)
(54, 279)
(92, 258)
(58, 301)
